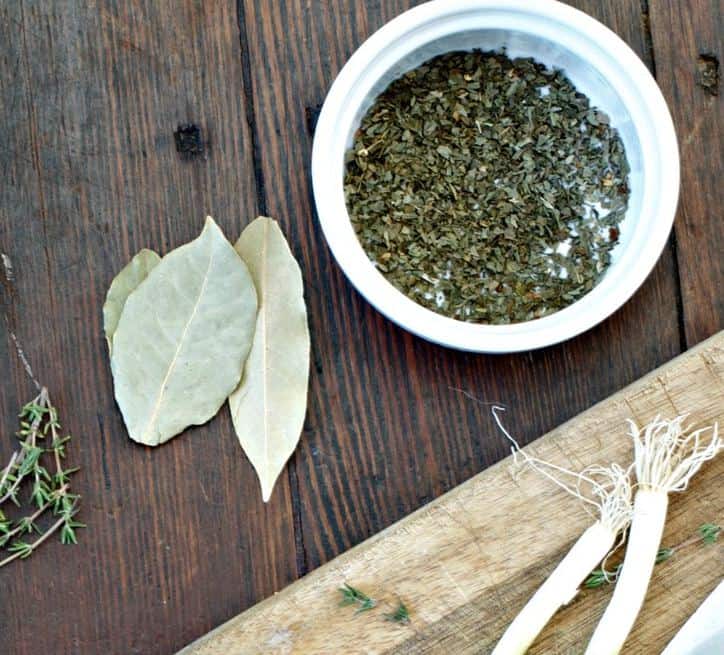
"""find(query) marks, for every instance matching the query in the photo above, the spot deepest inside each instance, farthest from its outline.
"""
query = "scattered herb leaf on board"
(401, 615)
(135, 272)
(48, 487)
(182, 338)
(352, 596)
(269, 406)
(707, 534)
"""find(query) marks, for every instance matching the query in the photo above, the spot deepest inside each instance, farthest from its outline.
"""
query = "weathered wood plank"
(179, 540)
(91, 95)
(388, 428)
(687, 41)
(465, 564)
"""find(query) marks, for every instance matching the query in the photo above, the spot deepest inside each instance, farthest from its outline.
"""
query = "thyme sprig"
(706, 533)
(49, 486)
(352, 596)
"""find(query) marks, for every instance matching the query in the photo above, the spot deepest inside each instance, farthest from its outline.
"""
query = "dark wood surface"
(178, 539)
(687, 39)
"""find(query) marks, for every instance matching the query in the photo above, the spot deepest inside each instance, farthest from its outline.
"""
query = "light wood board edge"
(254, 631)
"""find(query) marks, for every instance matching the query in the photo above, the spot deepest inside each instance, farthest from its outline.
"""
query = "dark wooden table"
(178, 539)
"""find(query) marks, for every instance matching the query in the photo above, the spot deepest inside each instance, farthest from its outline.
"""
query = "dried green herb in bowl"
(487, 189)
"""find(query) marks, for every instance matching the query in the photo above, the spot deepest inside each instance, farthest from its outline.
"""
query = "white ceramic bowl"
(599, 64)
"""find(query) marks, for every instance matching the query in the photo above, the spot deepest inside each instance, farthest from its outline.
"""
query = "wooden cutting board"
(466, 563)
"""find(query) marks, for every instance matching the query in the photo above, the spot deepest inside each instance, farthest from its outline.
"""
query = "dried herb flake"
(487, 189)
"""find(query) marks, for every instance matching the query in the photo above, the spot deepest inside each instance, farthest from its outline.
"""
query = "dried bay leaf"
(135, 272)
(269, 406)
(182, 338)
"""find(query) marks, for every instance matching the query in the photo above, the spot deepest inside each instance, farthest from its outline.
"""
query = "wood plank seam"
(250, 108)
(299, 549)
(672, 244)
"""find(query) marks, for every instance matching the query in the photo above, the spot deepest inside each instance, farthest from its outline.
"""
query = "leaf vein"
(157, 406)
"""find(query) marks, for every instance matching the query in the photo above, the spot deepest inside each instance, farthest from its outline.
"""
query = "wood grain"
(92, 94)
(466, 563)
(394, 430)
(687, 39)
(178, 539)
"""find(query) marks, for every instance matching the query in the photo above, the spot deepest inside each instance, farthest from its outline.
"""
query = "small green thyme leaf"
(22, 548)
(401, 615)
(709, 533)
(598, 578)
(352, 596)
(664, 554)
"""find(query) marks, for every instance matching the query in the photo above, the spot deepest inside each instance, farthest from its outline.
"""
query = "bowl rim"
(617, 62)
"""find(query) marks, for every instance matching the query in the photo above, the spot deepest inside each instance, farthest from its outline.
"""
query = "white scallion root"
(667, 456)
(606, 493)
